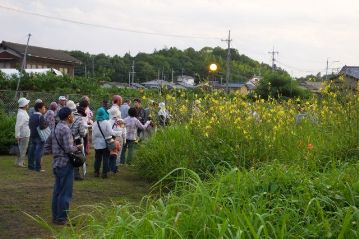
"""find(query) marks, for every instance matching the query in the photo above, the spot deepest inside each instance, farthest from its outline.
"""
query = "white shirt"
(117, 108)
(22, 129)
(97, 138)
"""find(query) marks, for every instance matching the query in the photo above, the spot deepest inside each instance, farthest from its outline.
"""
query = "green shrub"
(7, 132)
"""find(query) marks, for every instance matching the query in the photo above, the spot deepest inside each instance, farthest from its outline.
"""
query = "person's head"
(101, 114)
(81, 111)
(128, 101)
(117, 100)
(23, 103)
(137, 103)
(105, 103)
(132, 112)
(84, 103)
(85, 98)
(53, 106)
(65, 114)
(70, 104)
(62, 101)
(40, 107)
(38, 101)
(121, 123)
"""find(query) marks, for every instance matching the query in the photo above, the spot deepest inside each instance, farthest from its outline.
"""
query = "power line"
(105, 26)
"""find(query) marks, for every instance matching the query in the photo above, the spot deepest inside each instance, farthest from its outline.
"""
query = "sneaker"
(104, 176)
(42, 170)
(59, 222)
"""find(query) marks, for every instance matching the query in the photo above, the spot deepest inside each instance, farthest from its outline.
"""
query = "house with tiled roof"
(351, 76)
(12, 55)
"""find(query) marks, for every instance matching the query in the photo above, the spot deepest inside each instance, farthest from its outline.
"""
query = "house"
(187, 80)
(241, 87)
(351, 76)
(253, 83)
(155, 84)
(312, 86)
(12, 54)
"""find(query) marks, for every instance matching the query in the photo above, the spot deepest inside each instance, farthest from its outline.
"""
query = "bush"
(7, 132)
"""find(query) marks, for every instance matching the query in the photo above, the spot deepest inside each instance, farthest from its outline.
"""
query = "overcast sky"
(305, 32)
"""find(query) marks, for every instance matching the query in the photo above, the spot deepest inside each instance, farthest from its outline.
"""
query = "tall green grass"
(276, 201)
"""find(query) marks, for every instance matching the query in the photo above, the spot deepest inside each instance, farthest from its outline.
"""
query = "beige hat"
(23, 102)
(71, 105)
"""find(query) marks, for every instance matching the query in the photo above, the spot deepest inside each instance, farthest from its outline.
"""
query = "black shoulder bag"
(76, 159)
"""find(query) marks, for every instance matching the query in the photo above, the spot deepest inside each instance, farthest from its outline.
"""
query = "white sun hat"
(23, 102)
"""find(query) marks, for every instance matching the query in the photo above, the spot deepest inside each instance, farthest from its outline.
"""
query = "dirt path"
(22, 191)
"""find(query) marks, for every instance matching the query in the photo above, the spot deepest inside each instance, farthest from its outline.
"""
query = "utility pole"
(129, 78)
(228, 67)
(23, 66)
(133, 71)
(273, 53)
(327, 68)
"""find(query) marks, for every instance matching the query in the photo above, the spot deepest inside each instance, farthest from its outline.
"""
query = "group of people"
(112, 131)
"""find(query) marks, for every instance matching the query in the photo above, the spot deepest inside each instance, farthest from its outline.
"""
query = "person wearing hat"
(22, 130)
(99, 139)
(62, 167)
(163, 114)
(79, 131)
(36, 145)
(61, 104)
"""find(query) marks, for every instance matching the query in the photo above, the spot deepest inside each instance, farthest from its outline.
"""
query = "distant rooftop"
(40, 52)
(352, 71)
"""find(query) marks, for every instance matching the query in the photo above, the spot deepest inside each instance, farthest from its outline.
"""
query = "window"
(28, 66)
(65, 71)
(33, 66)
(7, 65)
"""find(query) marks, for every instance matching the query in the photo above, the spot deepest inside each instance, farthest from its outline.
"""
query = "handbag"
(44, 133)
(109, 142)
(77, 159)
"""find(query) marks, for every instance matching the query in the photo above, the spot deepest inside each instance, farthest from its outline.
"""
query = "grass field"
(23, 191)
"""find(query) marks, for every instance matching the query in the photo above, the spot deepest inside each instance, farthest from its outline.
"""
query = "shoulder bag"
(77, 159)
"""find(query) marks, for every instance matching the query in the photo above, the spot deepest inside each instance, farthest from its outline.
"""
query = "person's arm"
(68, 141)
(140, 125)
(19, 122)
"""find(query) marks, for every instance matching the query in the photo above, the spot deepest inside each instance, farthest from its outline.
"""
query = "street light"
(212, 69)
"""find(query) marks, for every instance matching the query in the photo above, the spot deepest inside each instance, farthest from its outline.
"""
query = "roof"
(352, 71)
(40, 52)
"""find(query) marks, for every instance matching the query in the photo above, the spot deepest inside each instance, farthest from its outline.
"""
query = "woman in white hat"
(22, 130)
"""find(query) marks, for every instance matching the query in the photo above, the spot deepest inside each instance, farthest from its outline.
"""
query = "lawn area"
(23, 191)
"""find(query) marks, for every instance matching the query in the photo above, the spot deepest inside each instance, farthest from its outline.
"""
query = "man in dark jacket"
(36, 145)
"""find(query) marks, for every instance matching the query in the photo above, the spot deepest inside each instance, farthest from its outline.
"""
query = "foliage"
(279, 84)
(239, 170)
(7, 131)
(161, 63)
(276, 201)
